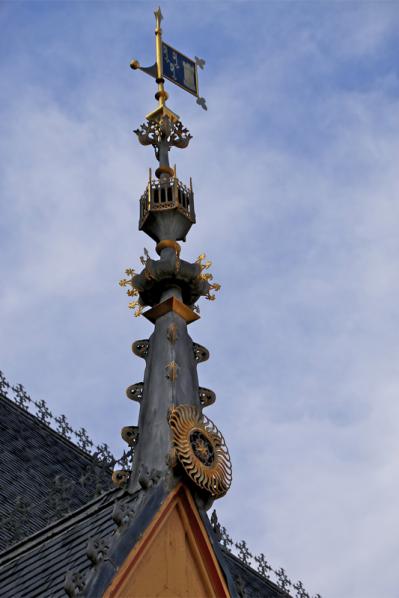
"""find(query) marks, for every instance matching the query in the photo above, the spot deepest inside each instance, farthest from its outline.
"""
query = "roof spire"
(174, 439)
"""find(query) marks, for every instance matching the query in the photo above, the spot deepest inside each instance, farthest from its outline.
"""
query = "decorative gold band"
(171, 304)
(164, 170)
(162, 94)
(168, 243)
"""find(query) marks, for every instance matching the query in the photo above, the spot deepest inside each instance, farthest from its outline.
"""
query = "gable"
(173, 558)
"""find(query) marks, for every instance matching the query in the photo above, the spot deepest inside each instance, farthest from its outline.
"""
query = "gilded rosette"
(201, 449)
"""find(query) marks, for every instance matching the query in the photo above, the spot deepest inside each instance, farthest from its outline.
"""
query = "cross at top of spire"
(158, 15)
(172, 65)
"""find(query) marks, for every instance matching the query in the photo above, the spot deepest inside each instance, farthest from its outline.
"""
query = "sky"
(295, 174)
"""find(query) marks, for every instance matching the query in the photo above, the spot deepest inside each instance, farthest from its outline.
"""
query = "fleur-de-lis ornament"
(205, 265)
(133, 291)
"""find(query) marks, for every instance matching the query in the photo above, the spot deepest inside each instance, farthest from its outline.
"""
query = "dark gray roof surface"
(37, 566)
(248, 582)
(43, 474)
(53, 476)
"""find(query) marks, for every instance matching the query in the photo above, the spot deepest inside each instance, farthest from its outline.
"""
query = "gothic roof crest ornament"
(175, 134)
(4, 384)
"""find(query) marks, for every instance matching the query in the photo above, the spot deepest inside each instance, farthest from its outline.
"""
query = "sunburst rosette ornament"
(201, 450)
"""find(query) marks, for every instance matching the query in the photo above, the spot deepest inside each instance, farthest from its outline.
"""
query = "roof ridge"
(21, 400)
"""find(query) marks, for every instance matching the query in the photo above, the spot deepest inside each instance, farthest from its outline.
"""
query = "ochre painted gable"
(174, 558)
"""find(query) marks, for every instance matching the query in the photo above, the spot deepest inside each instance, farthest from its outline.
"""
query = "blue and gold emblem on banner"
(179, 69)
(174, 66)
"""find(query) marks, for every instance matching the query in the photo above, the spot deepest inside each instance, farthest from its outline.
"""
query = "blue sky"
(294, 168)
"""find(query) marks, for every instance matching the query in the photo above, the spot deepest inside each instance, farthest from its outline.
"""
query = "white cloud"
(296, 198)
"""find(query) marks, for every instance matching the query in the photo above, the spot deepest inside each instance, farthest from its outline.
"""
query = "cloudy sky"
(295, 171)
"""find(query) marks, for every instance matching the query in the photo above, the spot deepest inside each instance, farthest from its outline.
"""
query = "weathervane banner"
(179, 69)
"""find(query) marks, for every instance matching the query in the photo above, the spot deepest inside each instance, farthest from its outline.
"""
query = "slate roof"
(248, 582)
(43, 474)
(37, 566)
(55, 477)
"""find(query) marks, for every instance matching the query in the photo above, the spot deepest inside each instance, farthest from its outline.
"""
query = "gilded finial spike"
(158, 15)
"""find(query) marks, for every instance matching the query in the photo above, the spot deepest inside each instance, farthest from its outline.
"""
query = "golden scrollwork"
(201, 449)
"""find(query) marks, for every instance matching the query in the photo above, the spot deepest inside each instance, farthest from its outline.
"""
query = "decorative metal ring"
(201, 449)
(168, 243)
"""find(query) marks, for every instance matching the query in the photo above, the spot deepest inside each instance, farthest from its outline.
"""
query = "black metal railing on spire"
(168, 195)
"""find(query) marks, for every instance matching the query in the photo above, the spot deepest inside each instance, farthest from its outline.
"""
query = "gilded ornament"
(171, 333)
(133, 292)
(207, 276)
(172, 370)
(201, 449)
(120, 477)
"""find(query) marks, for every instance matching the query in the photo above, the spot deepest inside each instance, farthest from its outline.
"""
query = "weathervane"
(174, 66)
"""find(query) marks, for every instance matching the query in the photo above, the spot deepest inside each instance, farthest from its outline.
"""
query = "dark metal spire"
(174, 440)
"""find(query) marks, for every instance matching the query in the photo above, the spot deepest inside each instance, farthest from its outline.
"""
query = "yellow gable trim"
(174, 558)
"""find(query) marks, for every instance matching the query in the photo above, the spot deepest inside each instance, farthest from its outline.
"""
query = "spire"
(174, 439)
